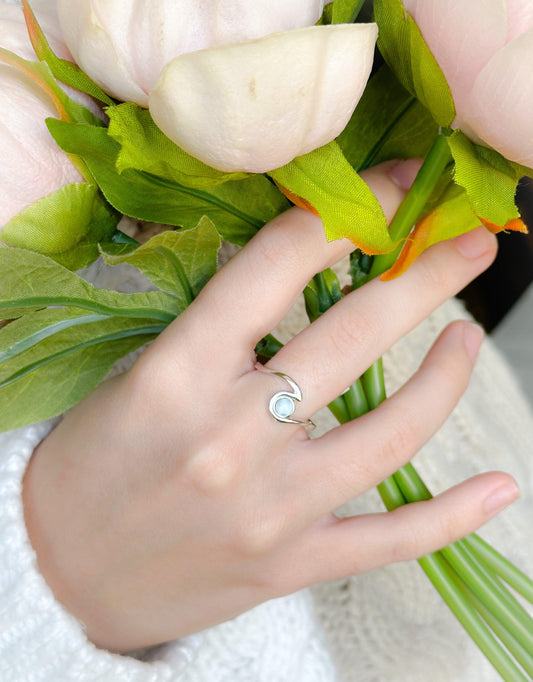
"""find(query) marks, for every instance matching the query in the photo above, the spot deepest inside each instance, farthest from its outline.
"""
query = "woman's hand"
(170, 499)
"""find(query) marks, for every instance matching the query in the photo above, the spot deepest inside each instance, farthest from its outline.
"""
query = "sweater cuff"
(39, 639)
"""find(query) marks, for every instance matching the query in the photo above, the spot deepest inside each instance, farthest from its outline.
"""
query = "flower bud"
(123, 46)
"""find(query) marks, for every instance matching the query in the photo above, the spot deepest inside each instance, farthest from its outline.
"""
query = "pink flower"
(485, 50)
(32, 164)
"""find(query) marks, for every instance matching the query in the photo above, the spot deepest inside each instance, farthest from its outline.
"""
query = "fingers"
(338, 347)
(355, 545)
(355, 457)
(254, 291)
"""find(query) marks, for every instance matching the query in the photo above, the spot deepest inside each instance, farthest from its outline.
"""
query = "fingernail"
(501, 498)
(475, 243)
(404, 172)
(472, 337)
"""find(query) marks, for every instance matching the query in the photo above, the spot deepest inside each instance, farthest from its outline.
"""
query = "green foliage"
(180, 262)
(346, 11)
(325, 181)
(30, 281)
(238, 208)
(63, 368)
(66, 225)
(144, 147)
(327, 15)
(488, 178)
(388, 123)
(405, 51)
(68, 333)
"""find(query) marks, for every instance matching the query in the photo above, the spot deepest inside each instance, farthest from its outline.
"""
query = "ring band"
(282, 405)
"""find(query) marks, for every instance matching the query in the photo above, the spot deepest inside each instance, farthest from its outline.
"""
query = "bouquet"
(216, 127)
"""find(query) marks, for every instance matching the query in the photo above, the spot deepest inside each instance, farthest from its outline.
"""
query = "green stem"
(356, 400)
(339, 410)
(501, 566)
(494, 596)
(449, 586)
(524, 657)
(412, 206)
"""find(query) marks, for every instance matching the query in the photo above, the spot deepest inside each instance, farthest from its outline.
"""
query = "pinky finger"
(350, 546)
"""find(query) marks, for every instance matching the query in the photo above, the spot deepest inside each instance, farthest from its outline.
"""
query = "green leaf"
(346, 11)
(65, 71)
(490, 183)
(238, 208)
(327, 183)
(144, 147)
(54, 374)
(405, 51)
(65, 225)
(180, 263)
(30, 281)
(388, 123)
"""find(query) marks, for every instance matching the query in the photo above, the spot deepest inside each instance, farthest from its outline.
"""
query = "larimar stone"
(284, 407)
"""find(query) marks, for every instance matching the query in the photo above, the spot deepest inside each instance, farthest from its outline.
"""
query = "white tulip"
(123, 45)
(254, 106)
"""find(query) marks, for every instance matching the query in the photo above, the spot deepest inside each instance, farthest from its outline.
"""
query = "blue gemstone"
(284, 407)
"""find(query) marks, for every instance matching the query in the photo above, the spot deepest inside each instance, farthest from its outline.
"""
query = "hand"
(171, 500)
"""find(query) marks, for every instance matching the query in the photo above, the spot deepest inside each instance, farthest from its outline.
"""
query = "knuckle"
(215, 470)
(407, 544)
(351, 331)
(448, 528)
(432, 274)
(401, 440)
(278, 245)
(258, 535)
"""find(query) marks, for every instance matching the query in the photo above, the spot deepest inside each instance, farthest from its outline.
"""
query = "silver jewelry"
(282, 404)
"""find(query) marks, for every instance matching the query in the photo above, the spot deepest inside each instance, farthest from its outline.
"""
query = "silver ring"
(282, 405)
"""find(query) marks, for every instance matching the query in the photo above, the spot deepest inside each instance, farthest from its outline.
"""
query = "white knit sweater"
(385, 626)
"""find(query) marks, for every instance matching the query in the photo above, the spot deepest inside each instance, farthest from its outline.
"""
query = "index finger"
(254, 291)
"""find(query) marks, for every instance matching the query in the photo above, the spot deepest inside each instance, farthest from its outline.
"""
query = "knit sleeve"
(39, 640)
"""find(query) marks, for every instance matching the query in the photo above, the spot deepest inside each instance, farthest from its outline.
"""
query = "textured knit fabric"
(387, 625)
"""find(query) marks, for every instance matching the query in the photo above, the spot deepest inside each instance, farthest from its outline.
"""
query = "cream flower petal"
(124, 44)
(255, 106)
(501, 103)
